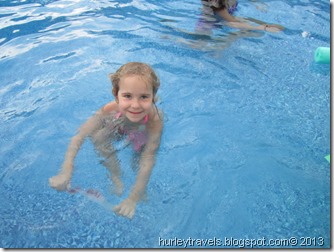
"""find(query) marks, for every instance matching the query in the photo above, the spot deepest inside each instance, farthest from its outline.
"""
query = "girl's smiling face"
(135, 97)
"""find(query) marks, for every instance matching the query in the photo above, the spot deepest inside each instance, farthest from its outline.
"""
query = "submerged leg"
(135, 161)
(111, 162)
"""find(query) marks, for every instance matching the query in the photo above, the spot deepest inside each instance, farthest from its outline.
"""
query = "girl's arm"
(243, 24)
(146, 163)
(61, 181)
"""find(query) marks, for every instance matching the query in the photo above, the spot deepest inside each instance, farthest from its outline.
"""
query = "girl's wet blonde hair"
(135, 68)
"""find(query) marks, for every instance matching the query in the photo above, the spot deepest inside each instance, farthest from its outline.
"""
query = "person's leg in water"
(135, 166)
(111, 162)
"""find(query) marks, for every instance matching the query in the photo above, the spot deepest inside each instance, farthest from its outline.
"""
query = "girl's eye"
(127, 96)
(145, 97)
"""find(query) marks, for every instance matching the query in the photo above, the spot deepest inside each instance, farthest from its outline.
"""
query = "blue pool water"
(246, 130)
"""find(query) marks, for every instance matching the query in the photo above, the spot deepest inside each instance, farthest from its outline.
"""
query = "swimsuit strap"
(145, 119)
(118, 115)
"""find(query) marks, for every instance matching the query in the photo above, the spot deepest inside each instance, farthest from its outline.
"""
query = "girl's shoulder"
(110, 107)
(155, 124)
(157, 115)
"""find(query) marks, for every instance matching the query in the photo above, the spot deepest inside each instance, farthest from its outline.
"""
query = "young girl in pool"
(133, 115)
(225, 9)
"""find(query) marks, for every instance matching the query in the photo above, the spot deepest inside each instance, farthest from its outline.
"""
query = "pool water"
(247, 124)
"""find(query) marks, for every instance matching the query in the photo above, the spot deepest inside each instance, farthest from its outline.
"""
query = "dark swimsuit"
(221, 4)
(205, 22)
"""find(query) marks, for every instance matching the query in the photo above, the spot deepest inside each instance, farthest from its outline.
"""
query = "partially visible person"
(225, 10)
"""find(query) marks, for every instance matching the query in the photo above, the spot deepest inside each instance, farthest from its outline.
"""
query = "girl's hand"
(126, 208)
(272, 28)
(60, 182)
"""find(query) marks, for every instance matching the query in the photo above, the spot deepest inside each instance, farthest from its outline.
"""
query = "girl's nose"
(135, 103)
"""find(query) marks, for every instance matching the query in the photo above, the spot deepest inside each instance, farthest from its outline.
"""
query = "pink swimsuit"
(138, 136)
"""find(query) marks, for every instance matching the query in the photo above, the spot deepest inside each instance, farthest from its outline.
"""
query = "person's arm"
(61, 181)
(243, 24)
(146, 163)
